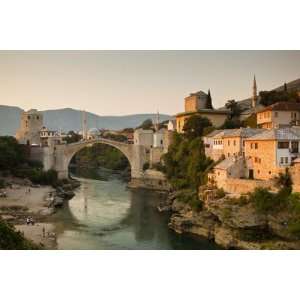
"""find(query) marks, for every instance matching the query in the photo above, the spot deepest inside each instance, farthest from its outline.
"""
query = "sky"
(131, 82)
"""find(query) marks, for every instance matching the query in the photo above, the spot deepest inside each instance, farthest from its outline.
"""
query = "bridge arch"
(59, 157)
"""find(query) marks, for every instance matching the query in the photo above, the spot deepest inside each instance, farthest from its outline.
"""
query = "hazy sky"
(128, 82)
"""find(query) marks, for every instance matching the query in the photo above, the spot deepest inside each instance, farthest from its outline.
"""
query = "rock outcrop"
(234, 224)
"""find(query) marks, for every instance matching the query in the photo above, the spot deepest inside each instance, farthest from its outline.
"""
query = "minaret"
(254, 96)
(157, 122)
(84, 125)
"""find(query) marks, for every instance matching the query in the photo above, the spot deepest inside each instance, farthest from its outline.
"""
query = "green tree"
(12, 154)
(195, 125)
(209, 101)
(231, 123)
(234, 108)
(147, 124)
(72, 137)
(185, 163)
(270, 97)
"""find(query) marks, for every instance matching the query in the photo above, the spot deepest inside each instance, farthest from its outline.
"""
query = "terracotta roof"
(282, 106)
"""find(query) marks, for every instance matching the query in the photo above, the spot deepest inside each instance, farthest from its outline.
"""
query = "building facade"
(30, 126)
(196, 104)
(278, 115)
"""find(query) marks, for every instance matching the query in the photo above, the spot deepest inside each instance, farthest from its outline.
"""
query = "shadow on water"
(106, 215)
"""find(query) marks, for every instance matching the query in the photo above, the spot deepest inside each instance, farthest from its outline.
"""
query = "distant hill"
(70, 119)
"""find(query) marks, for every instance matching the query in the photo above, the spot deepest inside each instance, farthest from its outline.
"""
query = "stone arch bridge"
(58, 157)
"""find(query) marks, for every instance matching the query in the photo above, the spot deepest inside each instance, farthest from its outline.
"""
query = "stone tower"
(254, 96)
(31, 124)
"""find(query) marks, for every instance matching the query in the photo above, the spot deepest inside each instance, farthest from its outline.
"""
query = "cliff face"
(234, 224)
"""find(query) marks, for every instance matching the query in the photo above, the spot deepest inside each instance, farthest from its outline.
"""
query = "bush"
(10, 239)
(294, 228)
(159, 167)
(2, 184)
(263, 200)
(146, 166)
(220, 193)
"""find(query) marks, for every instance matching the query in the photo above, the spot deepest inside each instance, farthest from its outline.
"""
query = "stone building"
(143, 137)
(196, 104)
(280, 114)
(31, 124)
(271, 152)
(46, 135)
(227, 142)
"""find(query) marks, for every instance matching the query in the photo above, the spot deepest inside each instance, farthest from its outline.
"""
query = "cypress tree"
(285, 87)
(209, 101)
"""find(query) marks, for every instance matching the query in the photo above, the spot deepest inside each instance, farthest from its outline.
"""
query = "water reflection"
(106, 215)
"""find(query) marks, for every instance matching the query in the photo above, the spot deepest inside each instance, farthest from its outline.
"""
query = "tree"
(195, 125)
(231, 123)
(285, 87)
(209, 101)
(72, 137)
(147, 124)
(270, 97)
(234, 108)
(186, 163)
(12, 154)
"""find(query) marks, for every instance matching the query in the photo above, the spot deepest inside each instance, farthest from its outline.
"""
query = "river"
(107, 215)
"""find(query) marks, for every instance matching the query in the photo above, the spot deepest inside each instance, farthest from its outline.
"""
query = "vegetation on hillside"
(185, 163)
(14, 161)
(100, 155)
(271, 97)
(72, 137)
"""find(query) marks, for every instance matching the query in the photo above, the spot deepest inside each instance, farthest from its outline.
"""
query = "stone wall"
(155, 155)
(243, 186)
(36, 153)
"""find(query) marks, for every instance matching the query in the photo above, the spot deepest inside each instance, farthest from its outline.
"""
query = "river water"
(107, 215)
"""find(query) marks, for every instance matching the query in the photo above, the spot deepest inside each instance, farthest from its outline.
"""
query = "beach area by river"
(23, 201)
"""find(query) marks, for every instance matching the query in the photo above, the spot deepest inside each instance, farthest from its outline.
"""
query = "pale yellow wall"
(264, 165)
(274, 119)
(232, 146)
(216, 119)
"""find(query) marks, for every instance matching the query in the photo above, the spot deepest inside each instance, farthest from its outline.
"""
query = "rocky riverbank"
(22, 200)
(232, 223)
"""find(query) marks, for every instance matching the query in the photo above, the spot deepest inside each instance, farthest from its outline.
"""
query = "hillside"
(70, 119)
(291, 86)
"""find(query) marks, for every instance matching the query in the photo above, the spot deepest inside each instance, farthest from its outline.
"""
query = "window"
(286, 160)
(251, 145)
(228, 154)
(283, 145)
(228, 143)
(276, 114)
(37, 117)
(269, 172)
(258, 171)
(256, 159)
(256, 146)
(234, 143)
(281, 160)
